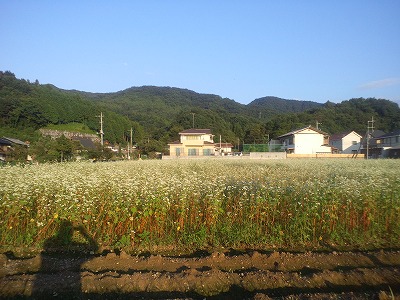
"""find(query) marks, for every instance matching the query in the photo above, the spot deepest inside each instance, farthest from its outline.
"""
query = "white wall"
(309, 142)
(348, 146)
(268, 155)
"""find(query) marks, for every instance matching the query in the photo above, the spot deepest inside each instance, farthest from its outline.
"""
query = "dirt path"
(253, 275)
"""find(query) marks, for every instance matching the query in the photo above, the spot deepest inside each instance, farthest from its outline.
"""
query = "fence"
(262, 148)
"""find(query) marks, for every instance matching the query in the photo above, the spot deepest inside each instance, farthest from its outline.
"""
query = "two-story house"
(372, 142)
(308, 140)
(390, 144)
(347, 142)
(193, 142)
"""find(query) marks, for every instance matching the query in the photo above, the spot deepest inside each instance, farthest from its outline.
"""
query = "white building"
(346, 142)
(307, 140)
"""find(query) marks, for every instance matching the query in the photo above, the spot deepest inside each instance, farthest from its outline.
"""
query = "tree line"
(158, 114)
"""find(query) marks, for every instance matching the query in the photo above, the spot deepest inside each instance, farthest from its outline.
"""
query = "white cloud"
(378, 84)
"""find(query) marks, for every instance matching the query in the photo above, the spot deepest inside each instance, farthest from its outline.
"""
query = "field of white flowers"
(185, 204)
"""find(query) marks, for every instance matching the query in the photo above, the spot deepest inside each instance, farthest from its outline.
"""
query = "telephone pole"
(101, 129)
(370, 129)
(131, 146)
(193, 119)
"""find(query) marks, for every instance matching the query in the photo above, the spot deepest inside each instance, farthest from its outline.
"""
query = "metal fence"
(263, 148)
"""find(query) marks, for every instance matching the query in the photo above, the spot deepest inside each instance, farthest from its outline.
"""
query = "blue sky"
(242, 50)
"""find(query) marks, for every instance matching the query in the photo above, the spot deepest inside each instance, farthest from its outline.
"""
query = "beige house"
(193, 142)
(347, 142)
(308, 140)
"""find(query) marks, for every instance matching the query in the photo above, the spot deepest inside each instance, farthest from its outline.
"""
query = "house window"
(354, 142)
(178, 151)
(192, 137)
(192, 152)
(207, 152)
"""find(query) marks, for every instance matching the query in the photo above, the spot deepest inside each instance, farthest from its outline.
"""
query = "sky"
(243, 50)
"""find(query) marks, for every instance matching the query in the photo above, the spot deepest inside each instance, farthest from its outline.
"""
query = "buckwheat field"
(182, 205)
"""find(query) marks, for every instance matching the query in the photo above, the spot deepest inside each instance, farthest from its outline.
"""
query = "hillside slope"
(26, 107)
(158, 114)
(269, 106)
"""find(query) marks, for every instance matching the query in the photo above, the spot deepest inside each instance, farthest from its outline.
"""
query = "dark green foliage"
(24, 105)
(267, 107)
(158, 114)
(47, 149)
(164, 111)
(353, 114)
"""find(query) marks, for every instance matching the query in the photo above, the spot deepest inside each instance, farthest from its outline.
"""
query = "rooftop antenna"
(370, 129)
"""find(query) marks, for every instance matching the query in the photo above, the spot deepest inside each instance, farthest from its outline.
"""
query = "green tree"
(64, 147)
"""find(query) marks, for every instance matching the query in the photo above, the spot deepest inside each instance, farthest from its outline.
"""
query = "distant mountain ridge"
(158, 114)
(173, 98)
(283, 105)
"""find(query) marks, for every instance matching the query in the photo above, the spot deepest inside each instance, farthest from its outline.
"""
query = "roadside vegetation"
(182, 206)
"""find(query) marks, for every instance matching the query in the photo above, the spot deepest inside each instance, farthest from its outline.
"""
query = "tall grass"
(181, 205)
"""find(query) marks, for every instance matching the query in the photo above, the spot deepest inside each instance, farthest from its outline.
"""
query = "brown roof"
(196, 131)
(302, 129)
(339, 136)
(225, 145)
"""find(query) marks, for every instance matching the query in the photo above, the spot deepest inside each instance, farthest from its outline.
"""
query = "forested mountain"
(164, 111)
(158, 114)
(352, 114)
(26, 107)
(269, 106)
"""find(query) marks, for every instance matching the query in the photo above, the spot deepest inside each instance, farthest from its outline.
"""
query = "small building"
(347, 142)
(8, 147)
(85, 142)
(193, 142)
(307, 140)
(389, 144)
(372, 142)
(224, 148)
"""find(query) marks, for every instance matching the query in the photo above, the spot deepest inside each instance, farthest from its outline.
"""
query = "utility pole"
(127, 145)
(101, 129)
(131, 145)
(370, 126)
(220, 146)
